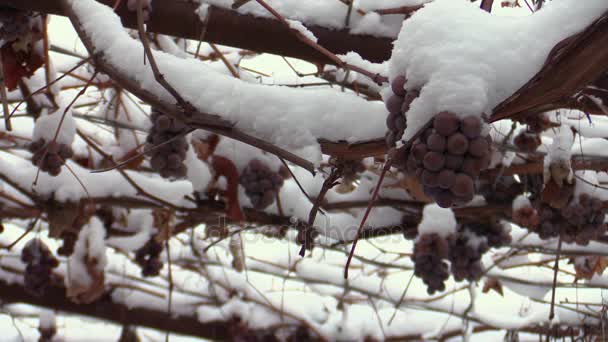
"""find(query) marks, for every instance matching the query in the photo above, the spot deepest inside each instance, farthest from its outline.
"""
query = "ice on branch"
(444, 50)
(291, 118)
(437, 220)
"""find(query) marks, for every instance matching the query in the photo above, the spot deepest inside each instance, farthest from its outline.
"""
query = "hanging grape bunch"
(397, 105)
(40, 263)
(448, 157)
(261, 184)
(430, 250)
(465, 252)
(148, 258)
(527, 141)
(580, 221)
(50, 157)
(168, 159)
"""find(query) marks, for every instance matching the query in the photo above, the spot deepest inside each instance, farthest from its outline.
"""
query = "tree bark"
(227, 27)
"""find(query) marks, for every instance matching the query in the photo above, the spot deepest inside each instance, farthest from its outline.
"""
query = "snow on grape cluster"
(167, 136)
(40, 263)
(261, 183)
(440, 239)
(447, 157)
(50, 157)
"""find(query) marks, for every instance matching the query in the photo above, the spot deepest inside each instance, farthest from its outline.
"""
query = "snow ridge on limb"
(311, 114)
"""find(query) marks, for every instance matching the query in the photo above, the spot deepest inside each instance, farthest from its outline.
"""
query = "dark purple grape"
(478, 147)
(393, 104)
(398, 85)
(463, 185)
(446, 179)
(430, 179)
(148, 258)
(436, 142)
(458, 144)
(453, 161)
(446, 123)
(433, 161)
(471, 127)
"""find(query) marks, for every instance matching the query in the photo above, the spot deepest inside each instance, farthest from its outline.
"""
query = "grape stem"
(555, 269)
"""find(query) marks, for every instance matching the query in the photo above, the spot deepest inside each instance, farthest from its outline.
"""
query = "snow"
(89, 249)
(443, 50)
(58, 122)
(296, 25)
(521, 201)
(330, 14)
(437, 220)
(282, 115)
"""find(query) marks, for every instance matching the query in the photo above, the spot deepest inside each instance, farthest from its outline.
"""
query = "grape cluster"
(261, 184)
(495, 233)
(448, 157)
(50, 157)
(526, 217)
(578, 222)
(148, 258)
(13, 24)
(465, 252)
(501, 190)
(430, 250)
(397, 105)
(168, 159)
(40, 263)
(527, 141)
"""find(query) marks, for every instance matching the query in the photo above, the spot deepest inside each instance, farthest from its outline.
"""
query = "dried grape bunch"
(527, 141)
(40, 263)
(448, 157)
(526, 217)
(501, 190)
(148, 258)
(50, 157)
(495, 233)
(465, 252)
(14, 24)
(261, 184)
(580, 221)
(168, 159)
(397, 105)
(430, 250)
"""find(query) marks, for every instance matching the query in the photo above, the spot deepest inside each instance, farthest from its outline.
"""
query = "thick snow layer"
(437, 220)
(89, 251)
(291, 118)
(467, 61)
(330, 14)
